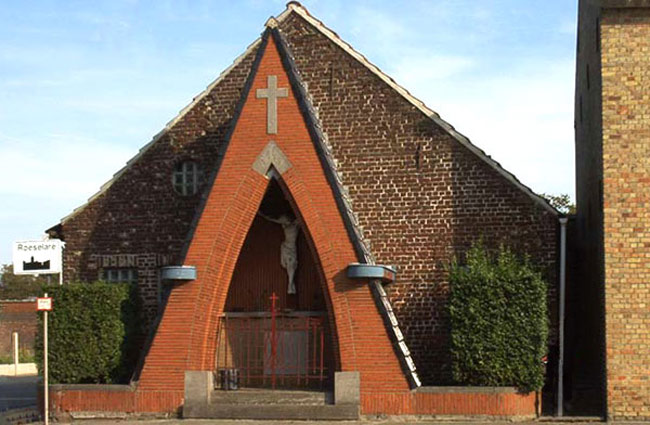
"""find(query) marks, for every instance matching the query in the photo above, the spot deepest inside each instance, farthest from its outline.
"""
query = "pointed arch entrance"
(274, 330)
(186, 339)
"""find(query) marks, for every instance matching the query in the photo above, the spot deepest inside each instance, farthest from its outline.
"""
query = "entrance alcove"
(273, 338)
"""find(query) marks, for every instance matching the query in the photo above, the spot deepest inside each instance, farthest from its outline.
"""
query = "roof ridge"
(300, 10)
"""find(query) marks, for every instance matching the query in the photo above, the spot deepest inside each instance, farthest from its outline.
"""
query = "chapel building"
(304, 186)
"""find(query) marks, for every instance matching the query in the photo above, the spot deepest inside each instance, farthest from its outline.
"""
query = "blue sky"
(83, 85)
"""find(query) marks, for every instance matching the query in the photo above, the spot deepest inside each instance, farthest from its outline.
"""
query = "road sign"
(44, 304)
(37, 257)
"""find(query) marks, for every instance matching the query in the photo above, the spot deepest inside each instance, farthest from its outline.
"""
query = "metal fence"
(274, 350)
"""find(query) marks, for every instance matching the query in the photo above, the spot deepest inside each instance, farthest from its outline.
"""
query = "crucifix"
(271, 94)
(289, 247)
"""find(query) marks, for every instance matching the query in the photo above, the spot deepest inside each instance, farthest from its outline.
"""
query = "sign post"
(16, 353)
(44, 304)
(39, 257)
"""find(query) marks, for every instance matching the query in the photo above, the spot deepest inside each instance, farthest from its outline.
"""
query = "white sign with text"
(44, 304)
(38, 257)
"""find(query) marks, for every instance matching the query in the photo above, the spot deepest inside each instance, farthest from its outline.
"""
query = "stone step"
(202, 402)
(265, 397)
(274, 412)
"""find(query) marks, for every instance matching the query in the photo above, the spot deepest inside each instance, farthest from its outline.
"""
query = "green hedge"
(93, 331)
(499, 320)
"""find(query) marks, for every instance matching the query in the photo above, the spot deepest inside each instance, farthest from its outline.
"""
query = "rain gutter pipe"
(560, 365)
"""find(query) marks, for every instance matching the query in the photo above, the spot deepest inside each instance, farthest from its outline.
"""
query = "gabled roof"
(297, 8)
(196, 99)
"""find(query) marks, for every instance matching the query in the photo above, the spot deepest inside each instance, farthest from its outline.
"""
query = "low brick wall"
(67, 399)
(502, 403)
(21, 317)
(493, 402)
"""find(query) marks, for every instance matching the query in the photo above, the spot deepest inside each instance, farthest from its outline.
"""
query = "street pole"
(45, 385)
(16, 353)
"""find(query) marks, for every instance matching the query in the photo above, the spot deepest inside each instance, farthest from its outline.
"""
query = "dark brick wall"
(140, 215)
(421, 197)
(588, 229)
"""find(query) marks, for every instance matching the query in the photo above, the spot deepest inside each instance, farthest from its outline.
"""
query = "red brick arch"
(186, 336)
(192, 313)
(220, 265)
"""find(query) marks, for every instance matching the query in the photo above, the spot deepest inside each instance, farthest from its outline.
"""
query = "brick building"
(17, 316)
(613, 176)
(303, 128)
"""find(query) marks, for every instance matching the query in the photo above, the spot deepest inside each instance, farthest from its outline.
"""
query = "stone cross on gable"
(271, 94)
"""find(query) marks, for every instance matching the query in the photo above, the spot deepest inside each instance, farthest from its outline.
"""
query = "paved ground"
(17, 392)
(399, 421)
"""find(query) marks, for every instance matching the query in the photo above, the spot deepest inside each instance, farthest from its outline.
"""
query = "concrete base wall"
(347, 388)
(21, 369)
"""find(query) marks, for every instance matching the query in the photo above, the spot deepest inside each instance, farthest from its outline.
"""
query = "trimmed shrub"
(93, 329)
(499, 320)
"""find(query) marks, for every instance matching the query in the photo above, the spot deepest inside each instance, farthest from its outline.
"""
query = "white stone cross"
(272, 93)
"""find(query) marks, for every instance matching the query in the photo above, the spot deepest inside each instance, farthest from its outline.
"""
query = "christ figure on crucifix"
(288, 249)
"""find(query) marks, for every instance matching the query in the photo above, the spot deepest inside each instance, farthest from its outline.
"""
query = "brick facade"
(613, 173)
(626, 196)
(421, 198)
(360, 344)
(17, 316)
(139, 218)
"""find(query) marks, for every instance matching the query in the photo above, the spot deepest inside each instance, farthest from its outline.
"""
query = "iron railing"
(275, 350)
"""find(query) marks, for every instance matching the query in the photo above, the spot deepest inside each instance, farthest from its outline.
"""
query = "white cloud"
(523, 118)
(413, 70)
(104, 99)
(568, 27)
(389, 27)
(43, 181)
(120, 105)
(63, 167)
